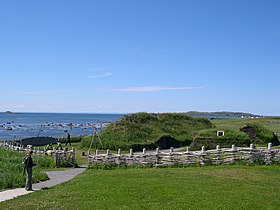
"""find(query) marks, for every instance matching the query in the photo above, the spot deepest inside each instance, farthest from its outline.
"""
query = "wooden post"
(202, 156)
(218, 152)
(252, 158)
(251, 146)
(56, 159)
(73, 155)
(130, 152)
(144, 151)
(268, 155)
(203, 149)
(119, 152)
(233, 150)
(157, 156)
(269, 146)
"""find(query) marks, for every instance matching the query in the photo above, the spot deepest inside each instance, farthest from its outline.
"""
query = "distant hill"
(223, 114)
(6, 112)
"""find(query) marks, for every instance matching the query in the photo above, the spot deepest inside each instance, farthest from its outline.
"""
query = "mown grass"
(211, 187)
(11, 170)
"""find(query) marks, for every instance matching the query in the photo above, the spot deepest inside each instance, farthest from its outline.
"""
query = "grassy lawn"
(211, 187)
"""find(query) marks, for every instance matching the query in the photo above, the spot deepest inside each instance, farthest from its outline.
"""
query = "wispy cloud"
(153, 89)
(101, 75)
(11, 106)
(99, 72)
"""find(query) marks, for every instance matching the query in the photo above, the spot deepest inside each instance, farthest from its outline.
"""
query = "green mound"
(210, 139)
(260, 135)
(246, 135)
(145, 130)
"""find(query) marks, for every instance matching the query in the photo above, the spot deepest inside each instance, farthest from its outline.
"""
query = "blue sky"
(119, 56)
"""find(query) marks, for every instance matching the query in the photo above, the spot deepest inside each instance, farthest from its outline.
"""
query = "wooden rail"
(61, 156)
(250, 154)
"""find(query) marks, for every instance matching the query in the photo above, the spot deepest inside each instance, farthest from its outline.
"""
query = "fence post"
(269, 147)
(56, 159)
(203, 149)
(144, 151)
(251, 146)
(268, 155)
(251, 157)
(157, 151)
(233, 152)
(130, 152)
(157, 156)
(218, 152)
(118, 158)
(73, 155)
(202, 156)
(171, 158)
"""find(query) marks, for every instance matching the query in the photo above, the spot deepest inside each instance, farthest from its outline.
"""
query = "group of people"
(28, 163)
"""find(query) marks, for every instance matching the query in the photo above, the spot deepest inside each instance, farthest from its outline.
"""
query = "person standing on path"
(68, 140)
(28, 164)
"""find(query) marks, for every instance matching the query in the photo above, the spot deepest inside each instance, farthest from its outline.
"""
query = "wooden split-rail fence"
(61, 157)
(219, 155)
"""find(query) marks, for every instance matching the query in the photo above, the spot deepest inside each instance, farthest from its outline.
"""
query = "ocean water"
(16, 126)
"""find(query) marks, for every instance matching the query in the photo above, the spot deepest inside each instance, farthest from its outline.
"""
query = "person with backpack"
(28, 164)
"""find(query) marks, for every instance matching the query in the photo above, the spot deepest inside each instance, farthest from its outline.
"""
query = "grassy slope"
(219, 187)
(272, 123)
(145, 129)
(264, 127)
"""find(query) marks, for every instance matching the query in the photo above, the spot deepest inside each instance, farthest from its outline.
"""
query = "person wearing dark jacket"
(68, 140)
(28, 164)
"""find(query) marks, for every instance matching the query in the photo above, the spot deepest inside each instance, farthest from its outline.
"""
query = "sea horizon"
(19, 125)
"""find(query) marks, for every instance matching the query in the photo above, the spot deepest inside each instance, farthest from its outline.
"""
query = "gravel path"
(56, 177)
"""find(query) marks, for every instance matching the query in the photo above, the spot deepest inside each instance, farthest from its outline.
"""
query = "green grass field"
(211, 187)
